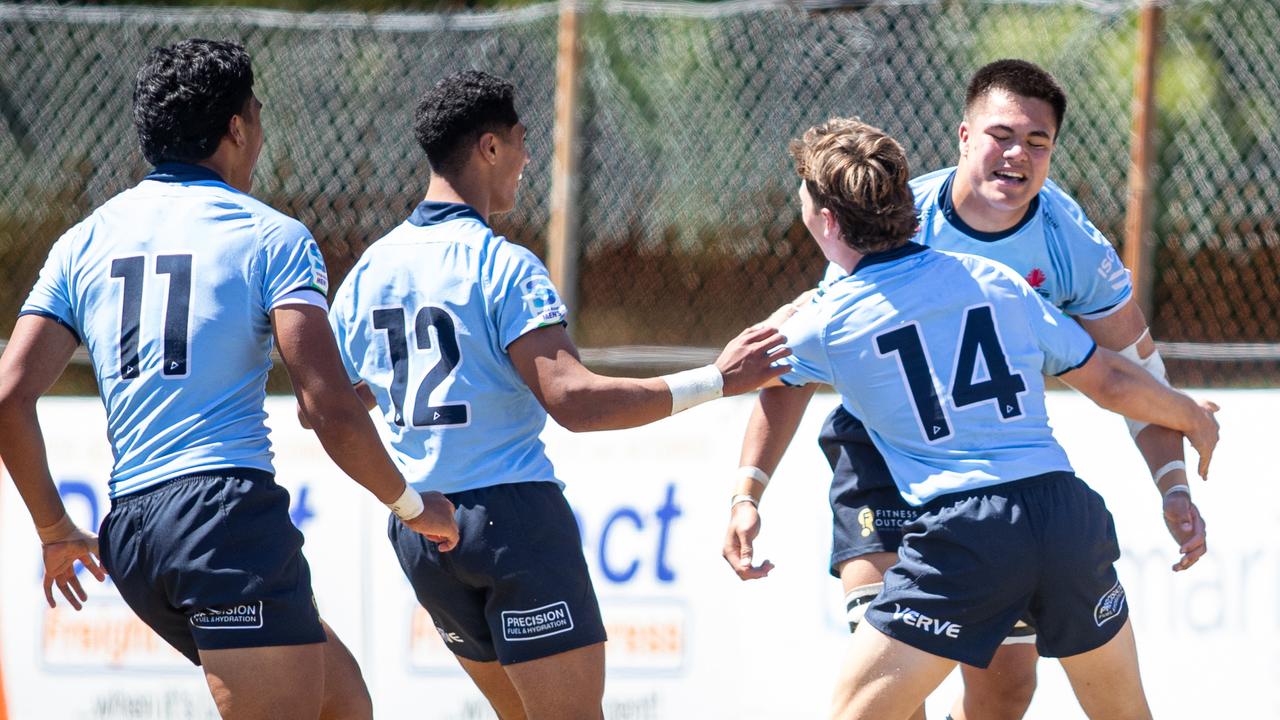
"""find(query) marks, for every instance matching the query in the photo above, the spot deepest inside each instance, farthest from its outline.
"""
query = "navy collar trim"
(178, 172)
(888, 256)
(431, 212)
(953, 217)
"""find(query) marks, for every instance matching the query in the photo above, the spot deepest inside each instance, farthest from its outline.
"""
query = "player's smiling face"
(1006, 142)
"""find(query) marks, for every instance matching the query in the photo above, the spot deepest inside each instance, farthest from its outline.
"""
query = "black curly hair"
(184, 96)
(457, 111)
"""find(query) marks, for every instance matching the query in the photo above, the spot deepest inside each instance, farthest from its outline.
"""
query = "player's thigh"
(346, 697)
(566, 686)
(1003, 690)
(885, 679)
(1106, 680)
(284, 682)
(866, 570)
(492, 680)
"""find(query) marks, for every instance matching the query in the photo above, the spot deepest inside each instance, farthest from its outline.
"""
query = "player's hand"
(744, 526)
(436, 522)
(1204, 435)
(59, 567)
(1182, 517)
(747, 362)
(782, 314)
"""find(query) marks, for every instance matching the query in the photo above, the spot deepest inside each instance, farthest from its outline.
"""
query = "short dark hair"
(457, 111)
(1020, 78)
(184, 96)
(861, 175)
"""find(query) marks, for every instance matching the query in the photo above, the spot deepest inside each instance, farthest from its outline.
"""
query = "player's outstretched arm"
(36, 355)
(774, 419)
(330, 405)
(582, 401)
(1125, 331)
(1121, 386)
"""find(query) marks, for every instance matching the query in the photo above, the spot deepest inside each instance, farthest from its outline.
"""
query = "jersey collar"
(179, 172)
(431, 212)
(897, 253)
(953, 217)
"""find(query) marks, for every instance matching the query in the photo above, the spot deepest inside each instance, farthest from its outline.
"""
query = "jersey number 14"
(978, 338)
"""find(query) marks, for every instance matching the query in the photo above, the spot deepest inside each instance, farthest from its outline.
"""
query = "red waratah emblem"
(1035, 278)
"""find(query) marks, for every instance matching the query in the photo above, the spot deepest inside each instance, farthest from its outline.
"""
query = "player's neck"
(232, 172)
(442, 189)
(978, 213)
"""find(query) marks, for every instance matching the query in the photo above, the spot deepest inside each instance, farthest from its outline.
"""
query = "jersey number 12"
(391, 320)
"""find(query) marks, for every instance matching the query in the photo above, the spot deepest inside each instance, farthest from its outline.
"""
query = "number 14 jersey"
(169, 285)
(941, 355)
(425, 318)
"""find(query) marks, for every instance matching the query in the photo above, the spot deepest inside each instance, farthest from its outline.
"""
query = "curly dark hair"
(184, 96)
(457, 111)
(1020, 78)
(861, 175)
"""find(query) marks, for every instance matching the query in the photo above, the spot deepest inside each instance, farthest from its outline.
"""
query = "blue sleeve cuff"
(1080, 364)
(55, 318)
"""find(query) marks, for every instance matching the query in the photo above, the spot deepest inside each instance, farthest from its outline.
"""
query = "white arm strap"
(1152, 364)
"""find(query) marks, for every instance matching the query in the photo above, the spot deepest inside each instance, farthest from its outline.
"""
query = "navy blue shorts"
(867, 511)
(977, 562)
(212, 562)
(516, 588)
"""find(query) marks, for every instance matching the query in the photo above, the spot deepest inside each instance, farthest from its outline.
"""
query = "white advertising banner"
(687, 638)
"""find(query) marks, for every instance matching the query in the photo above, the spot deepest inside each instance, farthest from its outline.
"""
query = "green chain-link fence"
(689, 228)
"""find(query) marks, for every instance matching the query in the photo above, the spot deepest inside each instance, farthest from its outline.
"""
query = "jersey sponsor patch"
(319, 275)
(541, 298)
(1109, 605)
(537, 623)
(242, 616)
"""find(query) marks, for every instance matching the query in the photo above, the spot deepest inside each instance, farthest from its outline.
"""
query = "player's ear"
(829, 225)
(963, 132)
(488, 143)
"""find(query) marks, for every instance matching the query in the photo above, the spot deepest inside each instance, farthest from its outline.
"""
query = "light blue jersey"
(941, 355)
(1054, 247)
(169, 285)
(425, 318)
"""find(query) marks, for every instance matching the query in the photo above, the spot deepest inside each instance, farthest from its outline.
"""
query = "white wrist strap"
(754, 473)
(1168, 468)
(409, 505)
(1178, 488)
(741, 499)
(1154, 365)
(694, 387)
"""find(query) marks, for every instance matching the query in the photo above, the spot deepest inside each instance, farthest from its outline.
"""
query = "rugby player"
(175, 287)
(997, 203)
(459, 337)
(942, 356)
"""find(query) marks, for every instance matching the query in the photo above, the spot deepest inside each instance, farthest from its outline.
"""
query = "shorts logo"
(450, 638)
(867, 519)
(245, 616)
(1109, 605)
(924, 622)
(539, 622)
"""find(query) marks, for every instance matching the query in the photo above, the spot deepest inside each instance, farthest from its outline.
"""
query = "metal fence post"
(562, 228)
(1138, 255)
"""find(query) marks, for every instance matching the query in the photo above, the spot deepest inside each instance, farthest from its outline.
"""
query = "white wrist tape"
(1168, 468)
(754, 473)
(1178, 488)
(733, 502)
(1153, 364)
(694, 387)
(409, 505)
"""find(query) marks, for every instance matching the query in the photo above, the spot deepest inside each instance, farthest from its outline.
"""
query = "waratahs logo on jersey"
(319, 276)
(541, 298)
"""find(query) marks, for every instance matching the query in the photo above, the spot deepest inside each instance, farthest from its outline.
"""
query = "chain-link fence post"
(1137, 222)
(562, 228)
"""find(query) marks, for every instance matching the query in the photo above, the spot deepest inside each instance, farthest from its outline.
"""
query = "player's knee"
(857, 600)
(1000, 696)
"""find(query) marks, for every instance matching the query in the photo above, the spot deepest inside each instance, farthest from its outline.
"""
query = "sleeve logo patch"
(541, 298)
(1110, 605)
(244, 616)
(537, 623)
(319, 276)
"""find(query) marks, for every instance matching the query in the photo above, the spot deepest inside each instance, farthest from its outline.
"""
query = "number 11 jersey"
(941, 355)
(425, 318)
(170, 285)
